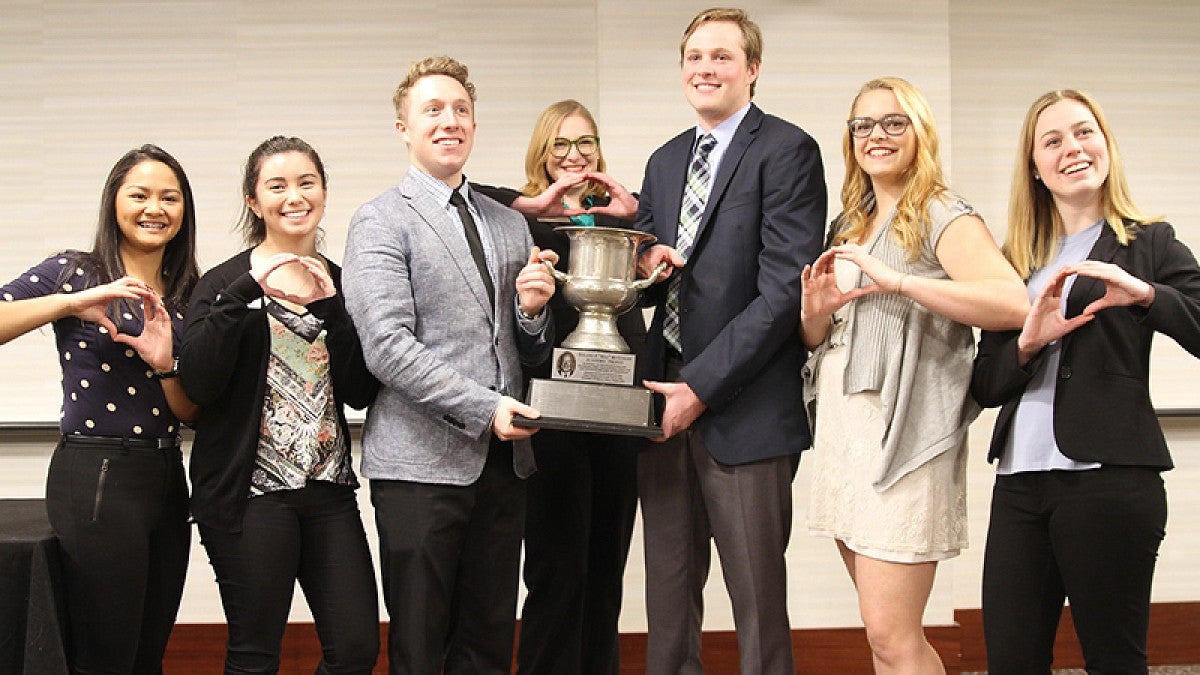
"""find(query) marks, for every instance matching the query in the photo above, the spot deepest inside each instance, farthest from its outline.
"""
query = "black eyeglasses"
(586, 145)
(892, 125)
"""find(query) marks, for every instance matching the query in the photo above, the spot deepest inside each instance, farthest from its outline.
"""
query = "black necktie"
(473, 242)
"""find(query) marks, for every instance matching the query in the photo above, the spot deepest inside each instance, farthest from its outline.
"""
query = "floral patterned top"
(299, 439)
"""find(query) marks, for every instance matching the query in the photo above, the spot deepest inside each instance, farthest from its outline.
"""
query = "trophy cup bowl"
(600, 283)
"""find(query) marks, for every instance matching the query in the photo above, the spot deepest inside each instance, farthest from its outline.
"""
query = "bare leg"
(891, 599)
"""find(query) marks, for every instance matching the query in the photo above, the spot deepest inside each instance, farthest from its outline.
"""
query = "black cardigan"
(223, 368)
(1102, 407)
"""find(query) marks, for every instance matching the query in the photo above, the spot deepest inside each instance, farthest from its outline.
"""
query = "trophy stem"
(597, 330)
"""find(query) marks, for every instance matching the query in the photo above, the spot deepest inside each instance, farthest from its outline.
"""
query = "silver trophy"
(591, 386)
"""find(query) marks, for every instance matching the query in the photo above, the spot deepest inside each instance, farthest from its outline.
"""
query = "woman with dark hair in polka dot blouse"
(115, 494)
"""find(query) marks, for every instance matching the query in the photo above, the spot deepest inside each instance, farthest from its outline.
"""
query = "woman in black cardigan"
(1079, 509)
(582, 500)
(272, 357)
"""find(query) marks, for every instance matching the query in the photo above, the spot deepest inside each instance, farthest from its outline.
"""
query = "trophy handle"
(561, 277)
(643, 284)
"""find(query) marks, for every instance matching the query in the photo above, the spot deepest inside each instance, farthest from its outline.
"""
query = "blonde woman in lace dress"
(887, 311)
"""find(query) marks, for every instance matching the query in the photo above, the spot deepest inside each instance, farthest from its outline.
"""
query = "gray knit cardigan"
(918, 361)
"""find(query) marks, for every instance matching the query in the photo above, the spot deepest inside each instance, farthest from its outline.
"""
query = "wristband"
(168, 374)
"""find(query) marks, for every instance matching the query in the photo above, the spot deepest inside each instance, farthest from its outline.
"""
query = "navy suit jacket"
(740, 294)
(1102, 407)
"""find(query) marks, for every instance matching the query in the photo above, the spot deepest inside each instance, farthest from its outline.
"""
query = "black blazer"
(740, 293)
(223, 368)
(1102, 408)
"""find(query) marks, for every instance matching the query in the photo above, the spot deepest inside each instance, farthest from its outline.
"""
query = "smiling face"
(289, 196)
(149, 207)
(571, 128)
(717, 76)
(882, 157)
(439, 127)
(1070, 153)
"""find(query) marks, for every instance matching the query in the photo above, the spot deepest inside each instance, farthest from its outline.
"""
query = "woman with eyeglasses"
(888, 311)
(582, 500)
(1078, 508)
(116, 495)
(274, 358)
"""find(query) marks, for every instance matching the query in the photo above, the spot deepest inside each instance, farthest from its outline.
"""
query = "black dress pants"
(578, 523)
(313, 535)
(450, 556)
(120, 514)
(1089, 536)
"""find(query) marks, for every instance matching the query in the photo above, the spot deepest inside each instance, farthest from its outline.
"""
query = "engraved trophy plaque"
(591, 386)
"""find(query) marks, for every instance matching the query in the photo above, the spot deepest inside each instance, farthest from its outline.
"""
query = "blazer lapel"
(729, 164)
(450, 233)
(1085, 289)
(672, 191)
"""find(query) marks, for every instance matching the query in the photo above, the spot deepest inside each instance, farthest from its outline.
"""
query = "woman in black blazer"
(1079, 509)
(581, 502)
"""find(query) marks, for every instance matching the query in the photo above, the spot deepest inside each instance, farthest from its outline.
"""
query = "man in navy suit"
(738, 205)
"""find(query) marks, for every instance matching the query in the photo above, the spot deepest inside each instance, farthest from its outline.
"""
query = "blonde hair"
(752, 39)
(922, 179)
(430, 65)
(1034, 225)
(545, 130)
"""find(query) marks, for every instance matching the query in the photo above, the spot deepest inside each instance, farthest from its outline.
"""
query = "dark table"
(31, 598)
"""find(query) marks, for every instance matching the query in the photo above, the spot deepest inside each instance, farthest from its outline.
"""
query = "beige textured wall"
(82, 82)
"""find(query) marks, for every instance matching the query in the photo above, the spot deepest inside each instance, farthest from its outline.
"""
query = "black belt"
(126, 442)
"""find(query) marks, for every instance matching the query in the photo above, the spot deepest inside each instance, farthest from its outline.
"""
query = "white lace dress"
(922, 517)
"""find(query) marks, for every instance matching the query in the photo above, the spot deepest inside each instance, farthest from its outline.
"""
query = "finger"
(548, 255)
(824, 263)
(107, 324)
(669, 428)
(601, 177)
(1055, 286)
(1099, 304)
(857, 293)
(523, 410)
(279, 260)
(657, 387)
(131, 282)
(534, 256)
(157, 308)
(1072, 324)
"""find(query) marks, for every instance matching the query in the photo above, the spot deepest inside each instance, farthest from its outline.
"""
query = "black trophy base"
(592, 408)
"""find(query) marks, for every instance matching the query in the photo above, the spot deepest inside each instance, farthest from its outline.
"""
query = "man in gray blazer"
(446, 290)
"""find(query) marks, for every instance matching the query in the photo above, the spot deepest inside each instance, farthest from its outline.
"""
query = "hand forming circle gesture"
(311, 282)
(154, 344)
(622, 204)
(821, 296)
(1046, 321)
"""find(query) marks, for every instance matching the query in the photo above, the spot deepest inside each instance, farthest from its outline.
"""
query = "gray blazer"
(428, 334)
